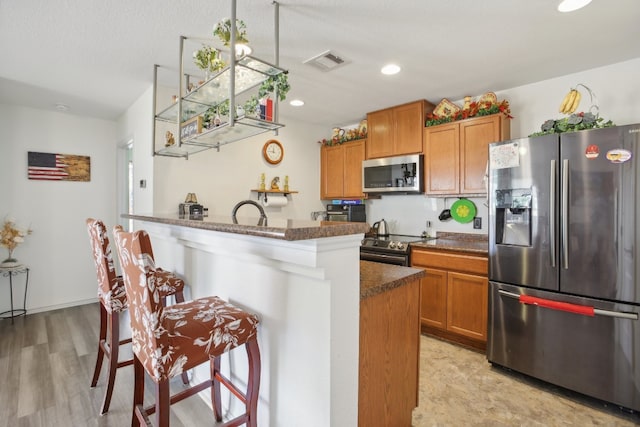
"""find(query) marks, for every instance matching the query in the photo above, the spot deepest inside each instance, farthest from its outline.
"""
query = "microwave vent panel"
(326, 61)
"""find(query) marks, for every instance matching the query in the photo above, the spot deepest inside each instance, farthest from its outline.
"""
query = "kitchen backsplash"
(409, 214)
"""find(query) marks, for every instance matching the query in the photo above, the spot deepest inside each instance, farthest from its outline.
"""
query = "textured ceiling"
(98, 56)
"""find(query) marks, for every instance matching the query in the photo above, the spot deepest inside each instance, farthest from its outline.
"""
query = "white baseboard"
(32, 310)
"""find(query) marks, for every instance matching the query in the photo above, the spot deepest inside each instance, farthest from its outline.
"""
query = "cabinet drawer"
(450, 262)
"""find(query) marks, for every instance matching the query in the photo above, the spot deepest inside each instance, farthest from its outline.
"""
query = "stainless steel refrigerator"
(564, 292)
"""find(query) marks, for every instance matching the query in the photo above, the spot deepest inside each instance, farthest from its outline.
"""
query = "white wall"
(221, 179)
(618, 93)
(62, 270)
(136, 125)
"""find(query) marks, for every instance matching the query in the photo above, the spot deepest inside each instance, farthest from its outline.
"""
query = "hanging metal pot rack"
(243, 74)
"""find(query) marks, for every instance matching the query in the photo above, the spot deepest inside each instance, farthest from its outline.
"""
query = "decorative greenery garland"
(475, 109)
(573, 123)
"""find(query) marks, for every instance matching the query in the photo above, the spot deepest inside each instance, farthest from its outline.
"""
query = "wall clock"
(273, 152)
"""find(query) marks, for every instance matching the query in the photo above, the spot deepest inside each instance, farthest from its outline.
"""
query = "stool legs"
(101, 339)
(253, 383)
(250, 398)
(109, 347)
(180, 298)
(216, 400)
(139, 414)
(162, 407)
(114, 348)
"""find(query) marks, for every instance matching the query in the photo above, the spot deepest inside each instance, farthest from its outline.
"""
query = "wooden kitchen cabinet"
(454, 300)
(456, 154)
(397, 130)
(341, 170)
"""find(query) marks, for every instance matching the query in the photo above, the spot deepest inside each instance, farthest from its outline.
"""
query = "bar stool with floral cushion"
(113, 301)
(168, 340)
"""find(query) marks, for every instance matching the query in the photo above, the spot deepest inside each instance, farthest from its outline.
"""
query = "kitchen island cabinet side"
(389, 356)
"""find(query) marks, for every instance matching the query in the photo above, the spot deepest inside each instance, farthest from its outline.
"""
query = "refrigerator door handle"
(564, 242)
(571, 308)
(552, 218)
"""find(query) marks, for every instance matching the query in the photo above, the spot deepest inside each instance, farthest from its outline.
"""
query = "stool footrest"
(150, 410)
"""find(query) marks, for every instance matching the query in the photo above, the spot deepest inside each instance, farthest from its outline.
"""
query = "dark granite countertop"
(376, 277)
(275, 228)
(459, 242)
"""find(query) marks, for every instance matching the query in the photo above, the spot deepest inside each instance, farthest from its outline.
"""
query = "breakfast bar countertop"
(376, 277)
(275, 228)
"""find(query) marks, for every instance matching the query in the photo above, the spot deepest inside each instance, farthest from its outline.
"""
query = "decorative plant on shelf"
(474, 109)
(208, 59)
(223, 31)
(251, 106)
(349, 135)
(573, 123)
(268, 86)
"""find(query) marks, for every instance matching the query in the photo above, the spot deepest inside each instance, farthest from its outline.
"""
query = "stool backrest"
(105, 269)
(142, 287)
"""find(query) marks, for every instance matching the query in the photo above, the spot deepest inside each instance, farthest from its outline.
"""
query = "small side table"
(10, 272)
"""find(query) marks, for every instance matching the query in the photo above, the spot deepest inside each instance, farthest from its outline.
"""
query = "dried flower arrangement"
(11, 236)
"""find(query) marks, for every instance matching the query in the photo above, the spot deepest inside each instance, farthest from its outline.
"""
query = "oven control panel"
(386, 245)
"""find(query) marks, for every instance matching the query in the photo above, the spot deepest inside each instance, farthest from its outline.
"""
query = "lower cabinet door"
(467, 305)
(434, 298)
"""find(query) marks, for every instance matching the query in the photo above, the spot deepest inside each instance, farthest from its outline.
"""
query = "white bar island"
(302, 278)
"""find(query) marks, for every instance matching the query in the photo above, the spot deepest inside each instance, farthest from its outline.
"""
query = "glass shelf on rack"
(250, 72)
(180, 151)
(244, 127)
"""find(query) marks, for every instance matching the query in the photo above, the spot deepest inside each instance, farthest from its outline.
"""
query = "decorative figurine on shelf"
(286, 183)
(262, 185)
(274, 183)
(467, 103)
(170, 139)
(191, 198)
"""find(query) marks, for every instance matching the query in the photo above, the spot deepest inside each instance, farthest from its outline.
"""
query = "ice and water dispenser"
(513, 216)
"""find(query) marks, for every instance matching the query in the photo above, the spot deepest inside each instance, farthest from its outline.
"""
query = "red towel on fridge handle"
(557, 305)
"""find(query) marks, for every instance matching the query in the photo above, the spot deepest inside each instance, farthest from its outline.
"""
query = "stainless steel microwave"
(388, 175)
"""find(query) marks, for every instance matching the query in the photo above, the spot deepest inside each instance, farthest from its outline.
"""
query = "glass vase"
(10, 260)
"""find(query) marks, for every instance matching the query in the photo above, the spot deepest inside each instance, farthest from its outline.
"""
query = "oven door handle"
(388, 259)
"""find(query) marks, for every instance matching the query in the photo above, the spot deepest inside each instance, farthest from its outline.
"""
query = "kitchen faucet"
(263, 216)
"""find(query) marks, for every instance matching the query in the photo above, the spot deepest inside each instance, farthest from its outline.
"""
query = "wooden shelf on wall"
(275, 191)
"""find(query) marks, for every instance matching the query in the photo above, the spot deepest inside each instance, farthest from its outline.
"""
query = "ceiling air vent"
(326, 61)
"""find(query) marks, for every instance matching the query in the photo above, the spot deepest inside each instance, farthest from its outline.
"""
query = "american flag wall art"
(58, 167)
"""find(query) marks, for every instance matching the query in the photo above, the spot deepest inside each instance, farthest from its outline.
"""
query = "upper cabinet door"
(409, 123)
(475, 137)
(398, 130)
(353, 157)
(380, 134)
(332, 172)
(441, 160)
(456, 154)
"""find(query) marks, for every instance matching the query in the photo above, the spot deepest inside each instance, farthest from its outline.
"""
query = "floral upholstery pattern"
(169, 340)
(111, 289)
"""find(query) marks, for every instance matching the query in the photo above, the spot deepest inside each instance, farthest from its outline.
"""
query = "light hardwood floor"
(47, 359)
(46, 364)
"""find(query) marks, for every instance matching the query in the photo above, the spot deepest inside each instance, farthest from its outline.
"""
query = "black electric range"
(392, 249)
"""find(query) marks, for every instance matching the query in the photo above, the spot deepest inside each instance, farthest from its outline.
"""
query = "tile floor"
(458, 387)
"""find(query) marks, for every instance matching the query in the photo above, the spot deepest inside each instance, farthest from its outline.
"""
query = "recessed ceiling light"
(390, 69)
(62, 107)
(571, 5)
(296, 102)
